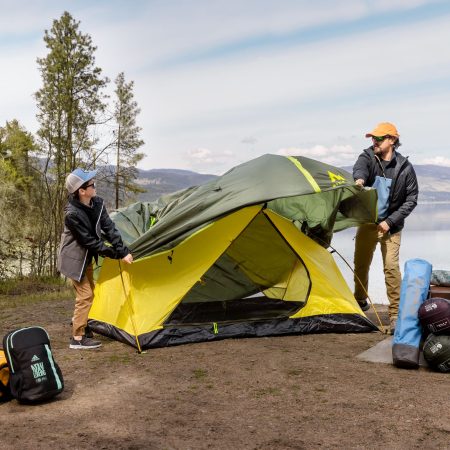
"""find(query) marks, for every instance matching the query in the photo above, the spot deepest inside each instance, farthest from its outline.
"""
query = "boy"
(85, 220)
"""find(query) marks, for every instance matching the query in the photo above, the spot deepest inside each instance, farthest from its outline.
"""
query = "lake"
(426, 235)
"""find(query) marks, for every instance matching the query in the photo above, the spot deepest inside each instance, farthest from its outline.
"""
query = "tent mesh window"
(263, 287)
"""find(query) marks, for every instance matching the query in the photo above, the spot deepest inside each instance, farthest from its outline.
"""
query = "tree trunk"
(118, 167)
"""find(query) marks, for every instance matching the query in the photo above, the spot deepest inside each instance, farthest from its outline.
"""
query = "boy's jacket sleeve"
(85, 238)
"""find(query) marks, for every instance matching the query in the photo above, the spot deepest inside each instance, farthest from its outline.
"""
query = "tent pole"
(130, 309)
(362, 286)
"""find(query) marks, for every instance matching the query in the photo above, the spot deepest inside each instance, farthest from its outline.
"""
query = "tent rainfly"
(243, 255)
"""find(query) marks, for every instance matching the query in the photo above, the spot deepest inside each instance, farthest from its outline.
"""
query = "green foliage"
(16, 144)
(18, 191)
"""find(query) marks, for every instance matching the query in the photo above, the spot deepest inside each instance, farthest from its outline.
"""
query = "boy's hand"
(128, 259)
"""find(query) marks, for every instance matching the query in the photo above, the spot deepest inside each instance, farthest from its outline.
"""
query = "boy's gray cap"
(77, 178)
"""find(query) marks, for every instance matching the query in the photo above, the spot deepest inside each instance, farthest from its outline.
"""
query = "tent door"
(258, 277)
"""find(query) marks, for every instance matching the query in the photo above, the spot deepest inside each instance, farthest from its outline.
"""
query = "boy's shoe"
(363, 304)
(84, 343)
(87, 331)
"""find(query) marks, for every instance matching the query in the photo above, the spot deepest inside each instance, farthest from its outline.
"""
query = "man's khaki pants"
(84, 290)
(367, 238)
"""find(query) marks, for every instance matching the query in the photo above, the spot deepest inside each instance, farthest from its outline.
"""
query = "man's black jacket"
(404, 189)
(82, 238)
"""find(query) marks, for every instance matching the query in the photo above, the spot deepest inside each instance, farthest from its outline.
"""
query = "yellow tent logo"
(336, 179)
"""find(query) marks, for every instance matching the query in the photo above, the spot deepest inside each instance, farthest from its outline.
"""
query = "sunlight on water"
(426, 235)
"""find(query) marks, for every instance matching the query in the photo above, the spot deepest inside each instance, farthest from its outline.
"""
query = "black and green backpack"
(33, 373)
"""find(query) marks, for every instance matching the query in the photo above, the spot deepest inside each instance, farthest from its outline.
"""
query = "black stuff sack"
(34, 374)
(5, 391)
(434, 315)
(436, 351)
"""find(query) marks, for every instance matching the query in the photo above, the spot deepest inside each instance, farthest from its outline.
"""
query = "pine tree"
(126, 140)
(16, 145)
(69, 103)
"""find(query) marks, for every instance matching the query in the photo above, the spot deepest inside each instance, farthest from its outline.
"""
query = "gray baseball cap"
(77, 178)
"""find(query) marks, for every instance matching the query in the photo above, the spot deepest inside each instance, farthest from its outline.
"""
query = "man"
(382, 167)
(86, 220)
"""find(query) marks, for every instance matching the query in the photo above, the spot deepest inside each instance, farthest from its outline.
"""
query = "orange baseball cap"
(383, 129)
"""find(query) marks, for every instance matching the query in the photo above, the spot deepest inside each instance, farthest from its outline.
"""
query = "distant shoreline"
(438, 202)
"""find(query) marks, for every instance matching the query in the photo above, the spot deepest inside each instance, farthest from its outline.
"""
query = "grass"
(200, 374)
(23, 285)
(120, 358)
(25, 291)
(267, 391)
(294, 372)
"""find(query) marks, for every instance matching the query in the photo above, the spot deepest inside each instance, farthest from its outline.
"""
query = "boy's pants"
(367, 238)
(84, 290)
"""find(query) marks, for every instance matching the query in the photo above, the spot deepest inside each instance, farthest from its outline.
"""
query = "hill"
(164, 181)
(434, 182)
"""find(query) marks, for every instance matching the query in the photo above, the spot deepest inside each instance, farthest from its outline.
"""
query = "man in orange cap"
(382, 167)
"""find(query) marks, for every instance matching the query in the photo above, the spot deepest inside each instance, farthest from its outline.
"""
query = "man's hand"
(128, 259)
(383, 227)
(359, 182)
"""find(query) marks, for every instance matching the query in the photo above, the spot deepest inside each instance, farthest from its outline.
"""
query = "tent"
(243, 255)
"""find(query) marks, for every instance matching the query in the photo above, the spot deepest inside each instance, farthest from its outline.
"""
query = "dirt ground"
(296, 392)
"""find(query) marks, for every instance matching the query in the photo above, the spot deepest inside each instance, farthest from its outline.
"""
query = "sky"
(220, 82)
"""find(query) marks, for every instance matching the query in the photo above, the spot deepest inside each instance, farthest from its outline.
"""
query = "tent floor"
(254, 308)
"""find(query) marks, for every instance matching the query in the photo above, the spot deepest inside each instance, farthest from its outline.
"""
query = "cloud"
(250, 140)
(271, 77)
(202, 158)
(436, 161)
(200, 154)
(337, 155)
(292, 80)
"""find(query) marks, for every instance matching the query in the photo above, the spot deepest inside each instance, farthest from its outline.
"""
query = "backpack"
(5, 392)
(436, 351)
(34, 374)
(434, 315)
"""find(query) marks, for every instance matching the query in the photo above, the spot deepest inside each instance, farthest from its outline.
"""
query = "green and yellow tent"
(243, 255)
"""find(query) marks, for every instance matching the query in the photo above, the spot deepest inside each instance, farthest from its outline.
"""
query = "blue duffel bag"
(408, 331)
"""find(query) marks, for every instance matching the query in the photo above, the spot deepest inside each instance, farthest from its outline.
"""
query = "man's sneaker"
(363, 304)
(84, 343)
(393, 324)
(88, 332)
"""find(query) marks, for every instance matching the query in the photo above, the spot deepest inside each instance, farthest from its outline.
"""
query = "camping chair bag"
(34, 374)
(408, 332)
(436, 351)
(434, 315)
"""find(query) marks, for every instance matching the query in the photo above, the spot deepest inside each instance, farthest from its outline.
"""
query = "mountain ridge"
(434, 182)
